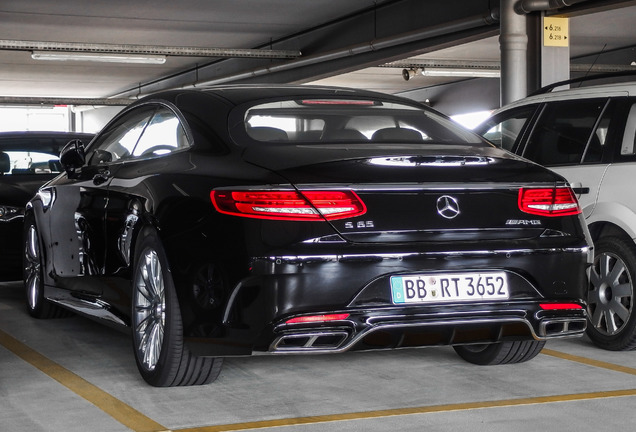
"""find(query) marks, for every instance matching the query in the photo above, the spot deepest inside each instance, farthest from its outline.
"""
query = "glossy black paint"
(240, 279)
(17, 186)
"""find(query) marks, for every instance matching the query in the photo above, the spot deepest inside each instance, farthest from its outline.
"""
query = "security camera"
(407, 74)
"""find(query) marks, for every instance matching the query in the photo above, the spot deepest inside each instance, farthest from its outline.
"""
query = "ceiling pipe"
(77, 47)
(52, 101)
(496, 65)
(374, 45)
(528, 6)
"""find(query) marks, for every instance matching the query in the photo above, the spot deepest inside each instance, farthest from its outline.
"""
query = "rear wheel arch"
(156, 324)
(611, 218)
(602, 229)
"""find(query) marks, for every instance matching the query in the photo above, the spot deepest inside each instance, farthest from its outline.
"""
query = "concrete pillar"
(555, 60)
(513, 42)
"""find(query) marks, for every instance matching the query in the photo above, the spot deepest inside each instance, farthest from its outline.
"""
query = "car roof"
(605, 90)
(242, 93)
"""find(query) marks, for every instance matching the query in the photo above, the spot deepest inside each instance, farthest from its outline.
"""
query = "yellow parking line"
(590, 362)
(138, 422)
(112, 406)
(410, 411)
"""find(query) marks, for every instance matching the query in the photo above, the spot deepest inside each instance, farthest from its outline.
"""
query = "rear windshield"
(351, 121)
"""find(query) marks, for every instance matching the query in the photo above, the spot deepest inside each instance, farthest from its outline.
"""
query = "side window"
(628, 147)
(597, 142)
(504, 129)
(164, 134)
(563, 133)
(119, 140)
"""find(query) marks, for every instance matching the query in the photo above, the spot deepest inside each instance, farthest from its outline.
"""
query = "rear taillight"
(289, 205)
(557, 201)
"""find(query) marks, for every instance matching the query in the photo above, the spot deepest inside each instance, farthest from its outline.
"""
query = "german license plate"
(440, 287)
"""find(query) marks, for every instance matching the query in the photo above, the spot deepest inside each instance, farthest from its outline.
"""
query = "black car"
(290, 219)
(27, 161)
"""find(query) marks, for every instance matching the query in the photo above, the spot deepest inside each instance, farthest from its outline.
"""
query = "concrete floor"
(76, 375)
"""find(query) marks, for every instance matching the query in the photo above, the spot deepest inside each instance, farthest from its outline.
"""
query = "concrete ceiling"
(340, 42)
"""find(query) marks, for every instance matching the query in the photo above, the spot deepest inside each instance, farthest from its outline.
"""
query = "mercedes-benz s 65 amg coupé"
(293, 219)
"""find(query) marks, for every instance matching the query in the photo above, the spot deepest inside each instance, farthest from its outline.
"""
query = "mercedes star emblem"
(447, 206)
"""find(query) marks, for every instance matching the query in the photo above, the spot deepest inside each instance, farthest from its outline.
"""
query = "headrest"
(5, 163)
(397, 135)
(343, 135)
(264, 133)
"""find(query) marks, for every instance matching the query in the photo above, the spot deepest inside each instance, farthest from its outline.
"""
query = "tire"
(500, 353)
(162, 358)
(33, 276)
(612, 321)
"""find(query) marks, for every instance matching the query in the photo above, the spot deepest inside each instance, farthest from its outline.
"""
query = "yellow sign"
(556, 32)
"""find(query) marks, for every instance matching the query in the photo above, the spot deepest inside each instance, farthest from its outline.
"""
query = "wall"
(94, 119)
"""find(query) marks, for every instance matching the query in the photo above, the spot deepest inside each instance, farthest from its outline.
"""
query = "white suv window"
(563, 134)
(629, 137)
(504, 131)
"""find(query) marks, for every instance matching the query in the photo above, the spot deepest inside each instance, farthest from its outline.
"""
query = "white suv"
(588, 135)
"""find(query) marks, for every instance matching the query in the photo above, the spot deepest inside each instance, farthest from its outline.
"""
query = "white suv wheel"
(611, 295)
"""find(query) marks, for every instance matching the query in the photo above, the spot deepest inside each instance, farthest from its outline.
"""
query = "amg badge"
(523, 222)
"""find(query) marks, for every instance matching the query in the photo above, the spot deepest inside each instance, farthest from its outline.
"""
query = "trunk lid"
(445, 193)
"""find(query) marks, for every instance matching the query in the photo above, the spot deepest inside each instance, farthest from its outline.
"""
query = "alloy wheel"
(149, 310)
(32, 268)
(611, 295)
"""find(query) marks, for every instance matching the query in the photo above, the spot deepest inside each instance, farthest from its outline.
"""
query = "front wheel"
(37, 305)
(162, 358)
(612, 321)
(500, 353)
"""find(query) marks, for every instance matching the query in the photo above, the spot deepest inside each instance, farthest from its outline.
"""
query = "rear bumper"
(400, 328)
(283, 287)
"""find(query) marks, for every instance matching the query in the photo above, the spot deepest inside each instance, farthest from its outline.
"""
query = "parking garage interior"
(83, 62)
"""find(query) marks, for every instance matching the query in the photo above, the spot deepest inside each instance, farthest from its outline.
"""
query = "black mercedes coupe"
(294, 219)
(28, 159)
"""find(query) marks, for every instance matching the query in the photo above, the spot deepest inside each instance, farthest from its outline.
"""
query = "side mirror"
(73, 156)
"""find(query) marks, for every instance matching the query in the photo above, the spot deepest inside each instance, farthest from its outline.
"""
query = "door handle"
(581, 190)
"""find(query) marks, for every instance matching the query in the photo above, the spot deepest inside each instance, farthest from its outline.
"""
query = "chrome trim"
(448, 207)
(566, 322)
(313, 337)
(12, 218)
(428, 186)
(454, 322)
(95, 308)
(383, 187)
(296, 259)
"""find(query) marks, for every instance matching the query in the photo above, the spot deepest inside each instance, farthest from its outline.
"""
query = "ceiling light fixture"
(408, 74)
(469, 73)
(99, 57)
